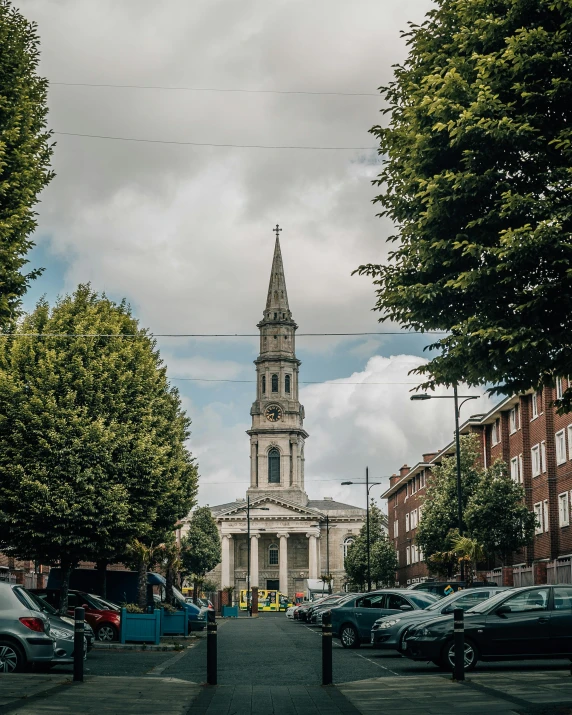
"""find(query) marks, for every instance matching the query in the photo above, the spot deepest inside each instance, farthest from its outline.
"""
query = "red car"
(104, 617)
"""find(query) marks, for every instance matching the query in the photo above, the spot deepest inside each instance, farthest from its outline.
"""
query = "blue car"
(352, 622)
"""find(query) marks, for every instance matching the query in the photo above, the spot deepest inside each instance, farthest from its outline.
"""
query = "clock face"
(273, 413)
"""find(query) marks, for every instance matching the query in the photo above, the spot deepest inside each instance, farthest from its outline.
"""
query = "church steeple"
(277, 434)
(277, 307)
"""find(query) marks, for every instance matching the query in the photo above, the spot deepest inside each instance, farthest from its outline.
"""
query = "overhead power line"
(208, 335)
(302, 382)
(215, 89)
(212, 144)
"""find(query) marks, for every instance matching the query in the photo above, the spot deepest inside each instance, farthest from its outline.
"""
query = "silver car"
(25, 633)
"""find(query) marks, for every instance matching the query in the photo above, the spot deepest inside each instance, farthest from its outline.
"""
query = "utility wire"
(302, 382)
(234, 146)
(214, 89)
(207, 335)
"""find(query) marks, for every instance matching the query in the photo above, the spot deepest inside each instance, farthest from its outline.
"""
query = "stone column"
(225, 561)
(283, 568)
(313, 555)
(254, 560)
(253, 463)
(294, 457)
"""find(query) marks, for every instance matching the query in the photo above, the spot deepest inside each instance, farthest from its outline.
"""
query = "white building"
(292, 537)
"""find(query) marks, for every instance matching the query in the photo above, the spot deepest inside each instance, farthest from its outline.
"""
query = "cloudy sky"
(183, 229)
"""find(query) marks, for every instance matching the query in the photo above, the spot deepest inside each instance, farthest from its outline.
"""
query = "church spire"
(277, 307)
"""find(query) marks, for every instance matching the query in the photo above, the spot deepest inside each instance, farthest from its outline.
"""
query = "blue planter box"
(140, 627)
(230, 611)
(174, 624)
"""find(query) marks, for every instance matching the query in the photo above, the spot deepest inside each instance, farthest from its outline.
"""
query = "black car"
(390, 632)
(533, 622)
(352, 621)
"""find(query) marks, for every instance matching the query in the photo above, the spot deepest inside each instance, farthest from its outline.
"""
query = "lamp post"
(368, 486)
(326, 521)
(455, 396)
(248, 508)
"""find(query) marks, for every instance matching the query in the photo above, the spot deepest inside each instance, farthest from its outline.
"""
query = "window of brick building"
(407, 522)
(559, 390)
(520, 468)
(535, 404)
(495, 432)
(407, 556)
(560, 447)
(563, 512)
(422, 478)
(545, 514)
(514, 469)
(537, 508)
(543, 456)
(569, 441)
(535, 457)
(513, 419)
(395, 528)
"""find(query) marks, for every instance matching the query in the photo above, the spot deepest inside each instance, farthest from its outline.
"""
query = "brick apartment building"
(536, 443)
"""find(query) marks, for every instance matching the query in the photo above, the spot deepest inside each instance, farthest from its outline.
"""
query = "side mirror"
(406, 607)
(85, 606)
(503, 610)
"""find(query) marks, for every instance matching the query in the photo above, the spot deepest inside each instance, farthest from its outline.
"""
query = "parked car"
(352, 621)
(104, 618)
(25, 631)
(62, 628)
(446, 588)
(204, 603)
(390, 632)
(290, 611)
(533, 622)
(306, 606)
(328, 605)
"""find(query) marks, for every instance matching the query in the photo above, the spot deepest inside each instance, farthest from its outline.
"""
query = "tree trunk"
(65, 570)
(102, 577)
(142, 584)
(169, 583)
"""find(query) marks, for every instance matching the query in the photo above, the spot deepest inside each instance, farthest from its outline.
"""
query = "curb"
(142, 647)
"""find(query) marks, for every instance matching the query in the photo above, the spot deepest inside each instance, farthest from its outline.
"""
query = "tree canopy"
(92, 437)
(476, 177)
(200, 548)
(383, 560)
(25, 153)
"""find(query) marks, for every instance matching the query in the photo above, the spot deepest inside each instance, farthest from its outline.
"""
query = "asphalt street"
(271, 650)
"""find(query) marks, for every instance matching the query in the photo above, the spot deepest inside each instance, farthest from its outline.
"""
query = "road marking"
(162, 667)
(378, 664)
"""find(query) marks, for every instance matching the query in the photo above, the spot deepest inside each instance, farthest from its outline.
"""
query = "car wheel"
(471, 655)
(106, 633)
(402, 641)
(12, 659)
(349, 636)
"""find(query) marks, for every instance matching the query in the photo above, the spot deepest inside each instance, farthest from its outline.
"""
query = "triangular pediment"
(276, 508)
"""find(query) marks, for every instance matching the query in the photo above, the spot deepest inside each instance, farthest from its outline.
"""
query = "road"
(271, 650)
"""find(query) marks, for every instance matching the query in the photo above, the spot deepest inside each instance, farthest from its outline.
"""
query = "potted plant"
(137, 626)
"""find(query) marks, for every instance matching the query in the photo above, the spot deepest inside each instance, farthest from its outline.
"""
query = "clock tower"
(277, 434)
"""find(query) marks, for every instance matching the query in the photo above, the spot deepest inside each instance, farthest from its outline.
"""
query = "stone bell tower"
(277, 435)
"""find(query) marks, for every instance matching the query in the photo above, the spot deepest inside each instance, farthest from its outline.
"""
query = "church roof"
(331, 505)
(277, 299)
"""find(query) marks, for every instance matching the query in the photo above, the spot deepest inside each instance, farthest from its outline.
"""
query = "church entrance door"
(272, 584)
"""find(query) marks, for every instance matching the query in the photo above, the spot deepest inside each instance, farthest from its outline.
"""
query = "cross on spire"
(277, 230)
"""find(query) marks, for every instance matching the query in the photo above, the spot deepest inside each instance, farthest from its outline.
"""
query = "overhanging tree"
(355, 563)
(25, 153)
(476, 178)
(383, 562)
(200, 548)
(92, 438)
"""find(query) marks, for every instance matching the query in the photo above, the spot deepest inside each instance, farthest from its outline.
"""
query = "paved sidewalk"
(540, 692)
(33, 694)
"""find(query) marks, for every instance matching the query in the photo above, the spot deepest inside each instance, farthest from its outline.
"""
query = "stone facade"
(292, 537)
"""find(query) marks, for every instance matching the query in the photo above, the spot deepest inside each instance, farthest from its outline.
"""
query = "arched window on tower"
(287, 380)
(263, 385)
(274, 466)
(274, 383)
(273, 555)
(348, 541)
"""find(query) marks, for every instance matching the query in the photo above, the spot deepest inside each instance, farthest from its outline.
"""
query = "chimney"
(429, 456)
(404, 470)
(393, 479)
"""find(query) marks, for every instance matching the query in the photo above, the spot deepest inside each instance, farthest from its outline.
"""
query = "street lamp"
(368, 486)
(327, 522)
(455, 396)
(247, 508)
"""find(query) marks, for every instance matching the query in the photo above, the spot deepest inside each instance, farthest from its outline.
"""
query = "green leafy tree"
(437, 528)
(497, 516)
(476, 178)
(355, 563)
(92, 438)
(383, 562)
(25, 153)
(200, 548)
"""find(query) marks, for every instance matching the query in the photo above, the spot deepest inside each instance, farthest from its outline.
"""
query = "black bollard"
(459, 641)
(211, 654)
(327, 647)
(78, 645)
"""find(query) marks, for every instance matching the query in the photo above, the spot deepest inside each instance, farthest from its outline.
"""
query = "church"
(292, 537)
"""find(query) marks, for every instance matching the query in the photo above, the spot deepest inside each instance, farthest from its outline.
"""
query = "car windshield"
(26, 599)
(451, 598)
(484, 606)
(94, 601)
(43, 605)
(423, 599)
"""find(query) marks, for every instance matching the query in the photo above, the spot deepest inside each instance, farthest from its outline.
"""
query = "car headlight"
(424, 633)
(388, 624)
(61, 634)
